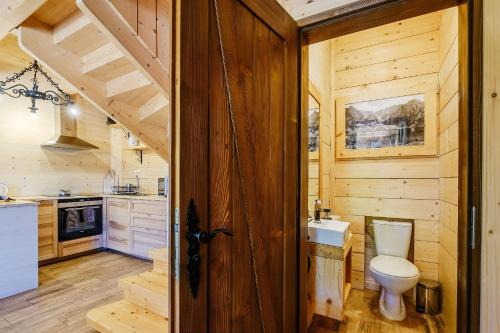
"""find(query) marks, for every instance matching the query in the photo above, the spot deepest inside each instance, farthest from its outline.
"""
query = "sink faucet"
(138, 184)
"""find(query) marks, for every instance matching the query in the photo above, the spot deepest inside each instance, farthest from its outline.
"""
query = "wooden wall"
(152, 21)
(402, 57)
(490, 254)
(319, 75)
(448, 163)
(30, 170)
(126, 165)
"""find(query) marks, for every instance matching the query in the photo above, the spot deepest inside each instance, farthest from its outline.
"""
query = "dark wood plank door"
(239, 162)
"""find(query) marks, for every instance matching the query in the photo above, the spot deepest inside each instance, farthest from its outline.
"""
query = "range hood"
(66, 132)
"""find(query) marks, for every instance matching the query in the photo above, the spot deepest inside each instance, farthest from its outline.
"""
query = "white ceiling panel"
(301, 9)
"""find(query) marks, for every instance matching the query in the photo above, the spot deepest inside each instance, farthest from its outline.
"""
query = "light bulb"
(74, 110)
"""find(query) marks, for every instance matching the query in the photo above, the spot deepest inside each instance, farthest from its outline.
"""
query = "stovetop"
(72, 195)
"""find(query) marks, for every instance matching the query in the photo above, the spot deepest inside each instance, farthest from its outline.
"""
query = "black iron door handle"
(195, 238)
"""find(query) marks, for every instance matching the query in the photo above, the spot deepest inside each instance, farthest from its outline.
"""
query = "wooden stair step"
(160, 260)
(148, 290)
(126, 317)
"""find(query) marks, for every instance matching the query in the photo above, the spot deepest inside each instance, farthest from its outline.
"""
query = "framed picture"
(386, 126)
(313, 125)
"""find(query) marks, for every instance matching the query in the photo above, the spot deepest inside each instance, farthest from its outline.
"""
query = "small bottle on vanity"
(317, 210)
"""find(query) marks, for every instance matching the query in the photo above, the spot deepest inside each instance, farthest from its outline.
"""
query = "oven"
(79, 218)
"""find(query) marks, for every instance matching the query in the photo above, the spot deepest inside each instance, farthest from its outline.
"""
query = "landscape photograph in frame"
(389, 122)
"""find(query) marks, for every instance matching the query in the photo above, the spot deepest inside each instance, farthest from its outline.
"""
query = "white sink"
(329, 232)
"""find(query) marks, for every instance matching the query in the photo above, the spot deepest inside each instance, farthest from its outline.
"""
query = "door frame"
(470, 137)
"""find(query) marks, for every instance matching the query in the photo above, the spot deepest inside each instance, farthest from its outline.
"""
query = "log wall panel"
(128, 10)
(152, 21)
(389, 32)
(448, 163)
(404, 58)
(490, 244)
(146, 23)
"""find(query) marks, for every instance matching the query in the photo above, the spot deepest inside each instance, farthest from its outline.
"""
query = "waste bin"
(428, 296)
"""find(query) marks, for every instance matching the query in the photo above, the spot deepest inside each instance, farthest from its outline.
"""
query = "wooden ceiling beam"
(14, 12)
(158, 103)
(37, 40)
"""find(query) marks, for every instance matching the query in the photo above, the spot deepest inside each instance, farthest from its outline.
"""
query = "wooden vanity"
(329, 280)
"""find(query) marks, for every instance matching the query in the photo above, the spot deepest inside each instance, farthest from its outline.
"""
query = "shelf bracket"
(139, 155)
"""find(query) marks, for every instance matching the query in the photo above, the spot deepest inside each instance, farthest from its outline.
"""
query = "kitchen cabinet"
(47, 230)
(135, 226)
(80, 245)
(149, 223)
(118, 224)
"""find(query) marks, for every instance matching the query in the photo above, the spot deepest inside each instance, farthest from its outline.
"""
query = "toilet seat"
(394, 266)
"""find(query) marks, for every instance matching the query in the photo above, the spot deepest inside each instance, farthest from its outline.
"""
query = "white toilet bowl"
(395, 275)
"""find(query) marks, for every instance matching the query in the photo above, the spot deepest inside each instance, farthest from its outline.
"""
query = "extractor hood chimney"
(66, 132)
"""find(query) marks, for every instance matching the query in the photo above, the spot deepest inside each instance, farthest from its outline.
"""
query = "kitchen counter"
(151, 197)
(17, 203)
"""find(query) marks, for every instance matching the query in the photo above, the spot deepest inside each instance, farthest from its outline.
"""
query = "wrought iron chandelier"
(12, 88)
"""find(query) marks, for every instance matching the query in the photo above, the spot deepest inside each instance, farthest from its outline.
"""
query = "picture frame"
(383, 146)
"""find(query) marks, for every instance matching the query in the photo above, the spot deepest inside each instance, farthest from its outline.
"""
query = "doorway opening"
(384, 122)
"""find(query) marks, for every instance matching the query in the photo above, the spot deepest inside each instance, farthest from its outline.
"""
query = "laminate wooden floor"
(362, 316)
(67, 291)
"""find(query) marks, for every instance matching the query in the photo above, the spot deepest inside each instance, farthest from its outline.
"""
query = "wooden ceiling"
(303, 9)
(11, 54)
(55, 11)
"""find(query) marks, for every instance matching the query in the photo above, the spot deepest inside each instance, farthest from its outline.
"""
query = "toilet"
(391, 269)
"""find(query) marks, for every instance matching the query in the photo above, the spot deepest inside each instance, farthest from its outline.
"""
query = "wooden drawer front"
(47, 231)
(118, 235)
(80, 245)
(118, 209)
(149, 207)
(150, 222)
(46, 208)
(145, 240)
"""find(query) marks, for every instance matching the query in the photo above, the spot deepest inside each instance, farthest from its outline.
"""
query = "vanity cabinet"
(329, 280)
(47, 230)
(135, 226)
(118, 224)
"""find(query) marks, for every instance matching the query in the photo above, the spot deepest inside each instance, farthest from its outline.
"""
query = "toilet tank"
(392, 238)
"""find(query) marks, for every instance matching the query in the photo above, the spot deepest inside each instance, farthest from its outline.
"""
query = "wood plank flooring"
(362, 316)
(68, 290)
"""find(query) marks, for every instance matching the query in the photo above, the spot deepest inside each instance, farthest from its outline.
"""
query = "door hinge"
(473, 228)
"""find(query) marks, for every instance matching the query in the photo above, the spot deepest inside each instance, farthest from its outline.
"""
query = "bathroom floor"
(362, 316)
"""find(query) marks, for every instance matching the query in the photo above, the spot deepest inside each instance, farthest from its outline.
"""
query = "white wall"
(30, 170)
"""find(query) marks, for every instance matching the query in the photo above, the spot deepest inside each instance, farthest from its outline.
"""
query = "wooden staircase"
(98, 53)
(146, 304)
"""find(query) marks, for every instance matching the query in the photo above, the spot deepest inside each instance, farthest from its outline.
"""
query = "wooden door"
(239, 163)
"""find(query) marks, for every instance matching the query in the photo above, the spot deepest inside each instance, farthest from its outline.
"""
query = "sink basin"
(329, 232)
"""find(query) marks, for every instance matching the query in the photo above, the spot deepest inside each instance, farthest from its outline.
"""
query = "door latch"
(195, 238)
